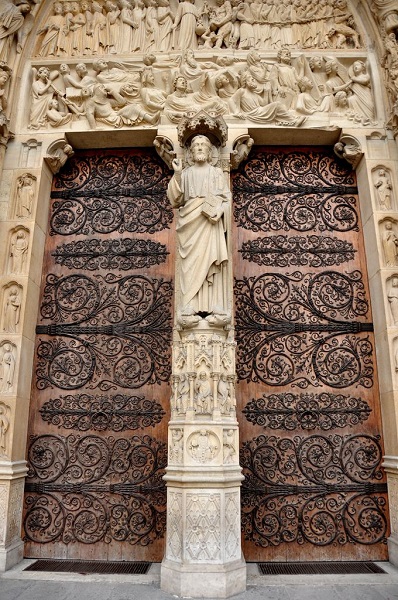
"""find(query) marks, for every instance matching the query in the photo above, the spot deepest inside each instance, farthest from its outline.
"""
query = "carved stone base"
(392, 543)
(203, 581)
(11, 555)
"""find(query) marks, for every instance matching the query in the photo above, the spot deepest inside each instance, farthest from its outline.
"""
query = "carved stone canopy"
(205, 123)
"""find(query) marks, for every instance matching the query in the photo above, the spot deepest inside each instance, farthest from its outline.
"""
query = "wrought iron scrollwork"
(290, 411)
(300, 329)
(108, 331)
(86, 489)
(319, 489)
(84, 412)
(101, 194)
(284, 251)
(300, 191)
(122, 254)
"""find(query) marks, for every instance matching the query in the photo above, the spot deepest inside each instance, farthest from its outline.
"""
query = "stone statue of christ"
(202, 197)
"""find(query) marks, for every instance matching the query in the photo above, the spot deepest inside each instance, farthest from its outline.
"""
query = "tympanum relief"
(83, 28)
(286, 90)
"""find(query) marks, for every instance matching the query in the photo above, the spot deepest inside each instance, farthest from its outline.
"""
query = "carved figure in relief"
(203, 200)
(99, 107)
(165, 24)
(112, 27)
(14, 19)
(12, 311)
(220, 23)
(78, 21)
(25, 195)
(393, 299)
(153, 98)
(224, 395)
(186, 16)
(59, 156)
(383, 189)
(361, 89)
(42, 93)
(203, 395)
(202, 447)
(390, 245)
(7, 369)
(285, 79)
(177, 448)
(182, 394)
(19, 252)
(50, 43)
(248, 103)
(165, 149)
(5, 75)
(98, 28)
(229, 449)
(241, 150)
(342, 26)
(306, 103)
(4, 425)
(55, 117)
(246, 32)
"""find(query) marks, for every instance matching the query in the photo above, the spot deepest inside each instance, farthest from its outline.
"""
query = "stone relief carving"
(286, 91)
(203, 395)
(165, 149)
(383, 186)
(11, 308)
(203, 539)
(229, 446)
(18, 251)
(25, 195)
(15, 507)
(15, 24)
(176, 451)
(78, 30)
(203, 445)
(7, 367)
(202, 197)
(389, 242)
(392, 296)
(174, 525)
(4, 427)
(5, 76)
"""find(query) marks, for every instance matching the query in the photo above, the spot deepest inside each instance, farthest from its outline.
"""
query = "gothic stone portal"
(99, 411)
(307, 385)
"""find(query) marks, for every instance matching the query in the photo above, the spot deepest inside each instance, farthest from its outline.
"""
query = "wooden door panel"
(307, 388)
(100, 396)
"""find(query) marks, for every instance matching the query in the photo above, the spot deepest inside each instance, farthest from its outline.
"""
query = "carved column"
(203, 548)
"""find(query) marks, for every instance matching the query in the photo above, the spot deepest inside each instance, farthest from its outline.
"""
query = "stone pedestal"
(203, 549)
(12, 479)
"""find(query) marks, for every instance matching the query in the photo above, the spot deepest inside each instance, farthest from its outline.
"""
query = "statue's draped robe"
(202, 244)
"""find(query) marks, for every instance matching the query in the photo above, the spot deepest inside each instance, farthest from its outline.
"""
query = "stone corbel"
(57, 154)
(165, 149)
(241, 150)
(349, 149)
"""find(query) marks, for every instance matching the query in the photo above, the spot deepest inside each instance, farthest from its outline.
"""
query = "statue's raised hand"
(177, 165)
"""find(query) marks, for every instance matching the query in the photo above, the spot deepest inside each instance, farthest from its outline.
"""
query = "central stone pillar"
(203, 547)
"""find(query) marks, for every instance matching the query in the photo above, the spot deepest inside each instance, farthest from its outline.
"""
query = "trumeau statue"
(201, 195)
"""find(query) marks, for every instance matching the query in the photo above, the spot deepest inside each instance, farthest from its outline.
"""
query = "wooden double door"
(307, 390)
(97, 446)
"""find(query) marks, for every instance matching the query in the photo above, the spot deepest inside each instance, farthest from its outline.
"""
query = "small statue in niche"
(390, 245)
(203, 395)
(182, 394)
(7, 369)
(4, 425)
(224, 395)
(19, 252)
(202, 446)
(25, 195)
(383, 189)
(12, 310)
(393, 299)
(201, 195)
